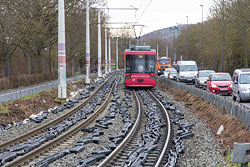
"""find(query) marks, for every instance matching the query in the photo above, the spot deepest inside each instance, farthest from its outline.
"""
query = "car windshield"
(188, 68)
(170, 69)
(245, 79)
(221, 77)
(205, 74)
(164, 61)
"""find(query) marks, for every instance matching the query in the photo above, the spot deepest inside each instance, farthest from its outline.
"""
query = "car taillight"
(128, 77)
(152, 77)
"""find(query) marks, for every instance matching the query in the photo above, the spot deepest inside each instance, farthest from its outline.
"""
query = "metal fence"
(232, 108)
(33, 90)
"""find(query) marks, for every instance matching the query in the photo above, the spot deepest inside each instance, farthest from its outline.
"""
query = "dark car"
(201, 78)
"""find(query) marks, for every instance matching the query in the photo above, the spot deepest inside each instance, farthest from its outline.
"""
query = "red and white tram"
(140, 62)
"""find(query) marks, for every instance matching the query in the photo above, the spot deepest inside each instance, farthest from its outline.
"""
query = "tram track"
(65, 138)
(29, 155)
(56, 121)
(133, 151)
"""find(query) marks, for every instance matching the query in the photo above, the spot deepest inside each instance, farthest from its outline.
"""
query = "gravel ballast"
(202, 149)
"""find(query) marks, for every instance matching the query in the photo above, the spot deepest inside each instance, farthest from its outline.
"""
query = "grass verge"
(59, 101)
(187, 103)
(29, 97)
(3, 110)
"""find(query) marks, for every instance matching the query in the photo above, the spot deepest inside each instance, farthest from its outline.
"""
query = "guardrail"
(232, 108)
(33, 90)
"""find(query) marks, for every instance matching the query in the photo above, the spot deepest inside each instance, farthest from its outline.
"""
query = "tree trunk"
(244, 46)
(40, 61)
(34, 64)
(50, 60)
(72, 65)
(2, 71)
(28, 61)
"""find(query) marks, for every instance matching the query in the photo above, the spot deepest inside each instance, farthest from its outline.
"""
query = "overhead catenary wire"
(144, 10)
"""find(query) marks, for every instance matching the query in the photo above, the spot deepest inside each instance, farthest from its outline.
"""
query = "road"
(247, 104)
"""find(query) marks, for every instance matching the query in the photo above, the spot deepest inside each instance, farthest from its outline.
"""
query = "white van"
(241, 85)
(186, 71)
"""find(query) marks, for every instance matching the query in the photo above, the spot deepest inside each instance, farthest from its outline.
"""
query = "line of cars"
(215, 82)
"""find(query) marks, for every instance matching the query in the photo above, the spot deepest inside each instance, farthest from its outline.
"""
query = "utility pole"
(174, 46)
(106, 50)
(99, 45)
(201, 37)
(99, 39)
(62, 93)
(176, 52)
(117, 54)
(157, 51)
(187, 40)
(222, 36)
(166, 51)
(109, 55)
(87, 79)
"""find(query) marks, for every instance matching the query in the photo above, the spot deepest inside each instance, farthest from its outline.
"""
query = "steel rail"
(47, 146)
(38, 130)
(131, 133)
(158, 163)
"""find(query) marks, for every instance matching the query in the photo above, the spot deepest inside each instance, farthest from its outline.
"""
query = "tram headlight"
(127, 77)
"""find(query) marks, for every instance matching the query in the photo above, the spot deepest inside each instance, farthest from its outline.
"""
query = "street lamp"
(187, 40)
(177, 39)
(201, 35)
(222, 34)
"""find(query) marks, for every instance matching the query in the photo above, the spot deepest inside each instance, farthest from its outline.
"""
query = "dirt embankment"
(19, 110)
(233, 131)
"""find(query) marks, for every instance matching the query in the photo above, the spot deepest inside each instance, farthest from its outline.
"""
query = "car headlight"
(214, 86)
(202, 82)
(244, 89)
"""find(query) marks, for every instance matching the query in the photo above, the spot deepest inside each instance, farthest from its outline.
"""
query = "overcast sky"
(158, 14)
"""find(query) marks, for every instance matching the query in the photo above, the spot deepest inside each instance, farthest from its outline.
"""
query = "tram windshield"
(140, 63)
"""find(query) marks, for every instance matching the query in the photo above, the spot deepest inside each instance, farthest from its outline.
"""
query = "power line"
(144, 10)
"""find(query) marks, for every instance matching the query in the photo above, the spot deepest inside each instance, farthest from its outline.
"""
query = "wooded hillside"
(28, 36)
(226, 32)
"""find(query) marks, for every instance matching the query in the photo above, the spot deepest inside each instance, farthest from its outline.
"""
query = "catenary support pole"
(157, 51)
(109, 55)
(87, 79)
(99, 45)
(106, 51)
(201, 36)
(117, 54)
(166, 51)
(62, 94)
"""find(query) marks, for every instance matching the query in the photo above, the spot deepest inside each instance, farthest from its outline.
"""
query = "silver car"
(241, 85)
(201, 78)
(172, 75)
(167, 70)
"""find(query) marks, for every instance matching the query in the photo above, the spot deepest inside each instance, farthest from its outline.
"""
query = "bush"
(25, 80)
